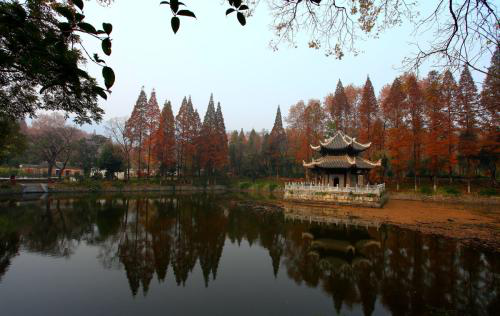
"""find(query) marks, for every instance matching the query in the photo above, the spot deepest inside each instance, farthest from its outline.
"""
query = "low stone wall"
(342, 198)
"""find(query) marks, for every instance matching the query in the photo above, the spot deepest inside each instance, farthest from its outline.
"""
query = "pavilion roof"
(341, 162)
(341, 141)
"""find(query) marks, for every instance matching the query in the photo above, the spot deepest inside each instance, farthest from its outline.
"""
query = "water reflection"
(382, 269)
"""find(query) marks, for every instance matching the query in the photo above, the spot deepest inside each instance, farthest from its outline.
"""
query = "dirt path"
(477, 225)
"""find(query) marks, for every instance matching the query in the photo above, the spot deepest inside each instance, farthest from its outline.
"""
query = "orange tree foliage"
(164, 146)
(396, 110)
(435, 143)
(135, 128)
(450, 107)
(415, 104)
(152, 120)
(367, 111)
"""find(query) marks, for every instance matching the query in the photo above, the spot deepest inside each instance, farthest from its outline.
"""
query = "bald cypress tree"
(340, 110)
(210, 139)
(152, 119)
(490, 109)
(468, 102)
(277, 143)
(222, 158)
(136, 127)
(449, 95)
(368, 109)
(165, 140)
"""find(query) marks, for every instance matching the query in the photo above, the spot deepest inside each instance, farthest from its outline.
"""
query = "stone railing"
(311, 188)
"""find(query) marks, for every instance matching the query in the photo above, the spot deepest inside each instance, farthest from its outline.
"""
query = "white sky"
(215, 54)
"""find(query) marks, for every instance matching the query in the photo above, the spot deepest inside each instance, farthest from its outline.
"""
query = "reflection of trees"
(9, 247)
(406, 272)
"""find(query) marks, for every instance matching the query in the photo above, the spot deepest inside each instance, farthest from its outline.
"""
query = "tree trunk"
(435, 183)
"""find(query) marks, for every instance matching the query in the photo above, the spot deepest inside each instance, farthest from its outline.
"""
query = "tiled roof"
(341, 162)
(341, 141)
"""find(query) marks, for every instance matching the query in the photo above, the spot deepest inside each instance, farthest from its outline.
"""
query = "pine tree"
(136, 127)
(165, 140)
(449, 94)
(467, 98)
(367, 111)
(152, 118)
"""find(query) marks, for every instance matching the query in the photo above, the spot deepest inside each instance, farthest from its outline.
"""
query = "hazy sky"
(214, 54)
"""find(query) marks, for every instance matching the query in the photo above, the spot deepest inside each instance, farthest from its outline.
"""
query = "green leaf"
(243, 7)
(100, 91)
(241, 18)
(175, 22)
(65, 12)
(64, 26)
(108, 27)
(78, 3)
(174, 5)
(89, 28)
(237, 3)
(79, 17)
(186, 13)
(106, 46)
(229, 11)
(109, 76)
(164, 2)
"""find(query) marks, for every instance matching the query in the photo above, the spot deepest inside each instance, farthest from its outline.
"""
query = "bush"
(451, 191)
(272, 187)
(425, 190)
(245, 185)
(488, 192)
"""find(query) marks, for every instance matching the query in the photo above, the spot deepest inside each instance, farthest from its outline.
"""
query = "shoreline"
(476, 225)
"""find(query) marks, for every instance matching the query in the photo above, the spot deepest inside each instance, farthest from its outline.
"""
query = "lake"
(203, 254)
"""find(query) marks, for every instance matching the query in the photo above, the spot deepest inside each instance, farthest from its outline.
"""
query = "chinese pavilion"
(340, 163)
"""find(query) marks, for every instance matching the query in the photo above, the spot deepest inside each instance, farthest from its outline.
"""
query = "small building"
(340, 163)
(338, 176)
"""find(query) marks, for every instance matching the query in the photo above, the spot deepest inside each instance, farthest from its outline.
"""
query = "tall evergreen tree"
(136, 127)
(367, 111)
(182, 135)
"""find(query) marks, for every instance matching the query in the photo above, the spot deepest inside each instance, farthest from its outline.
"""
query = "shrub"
(451, 191)
(245, 185)
(425, 190)
(272, 187)
(488, 192)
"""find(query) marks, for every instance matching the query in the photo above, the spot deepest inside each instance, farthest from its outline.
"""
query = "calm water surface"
(206, 255)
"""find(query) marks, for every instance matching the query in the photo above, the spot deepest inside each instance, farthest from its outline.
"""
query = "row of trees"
(433, 126)
(156, 142)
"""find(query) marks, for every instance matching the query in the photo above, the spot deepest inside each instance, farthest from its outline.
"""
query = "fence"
(304, 187)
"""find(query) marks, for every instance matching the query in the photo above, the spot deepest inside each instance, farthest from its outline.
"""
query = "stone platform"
(368, 196)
